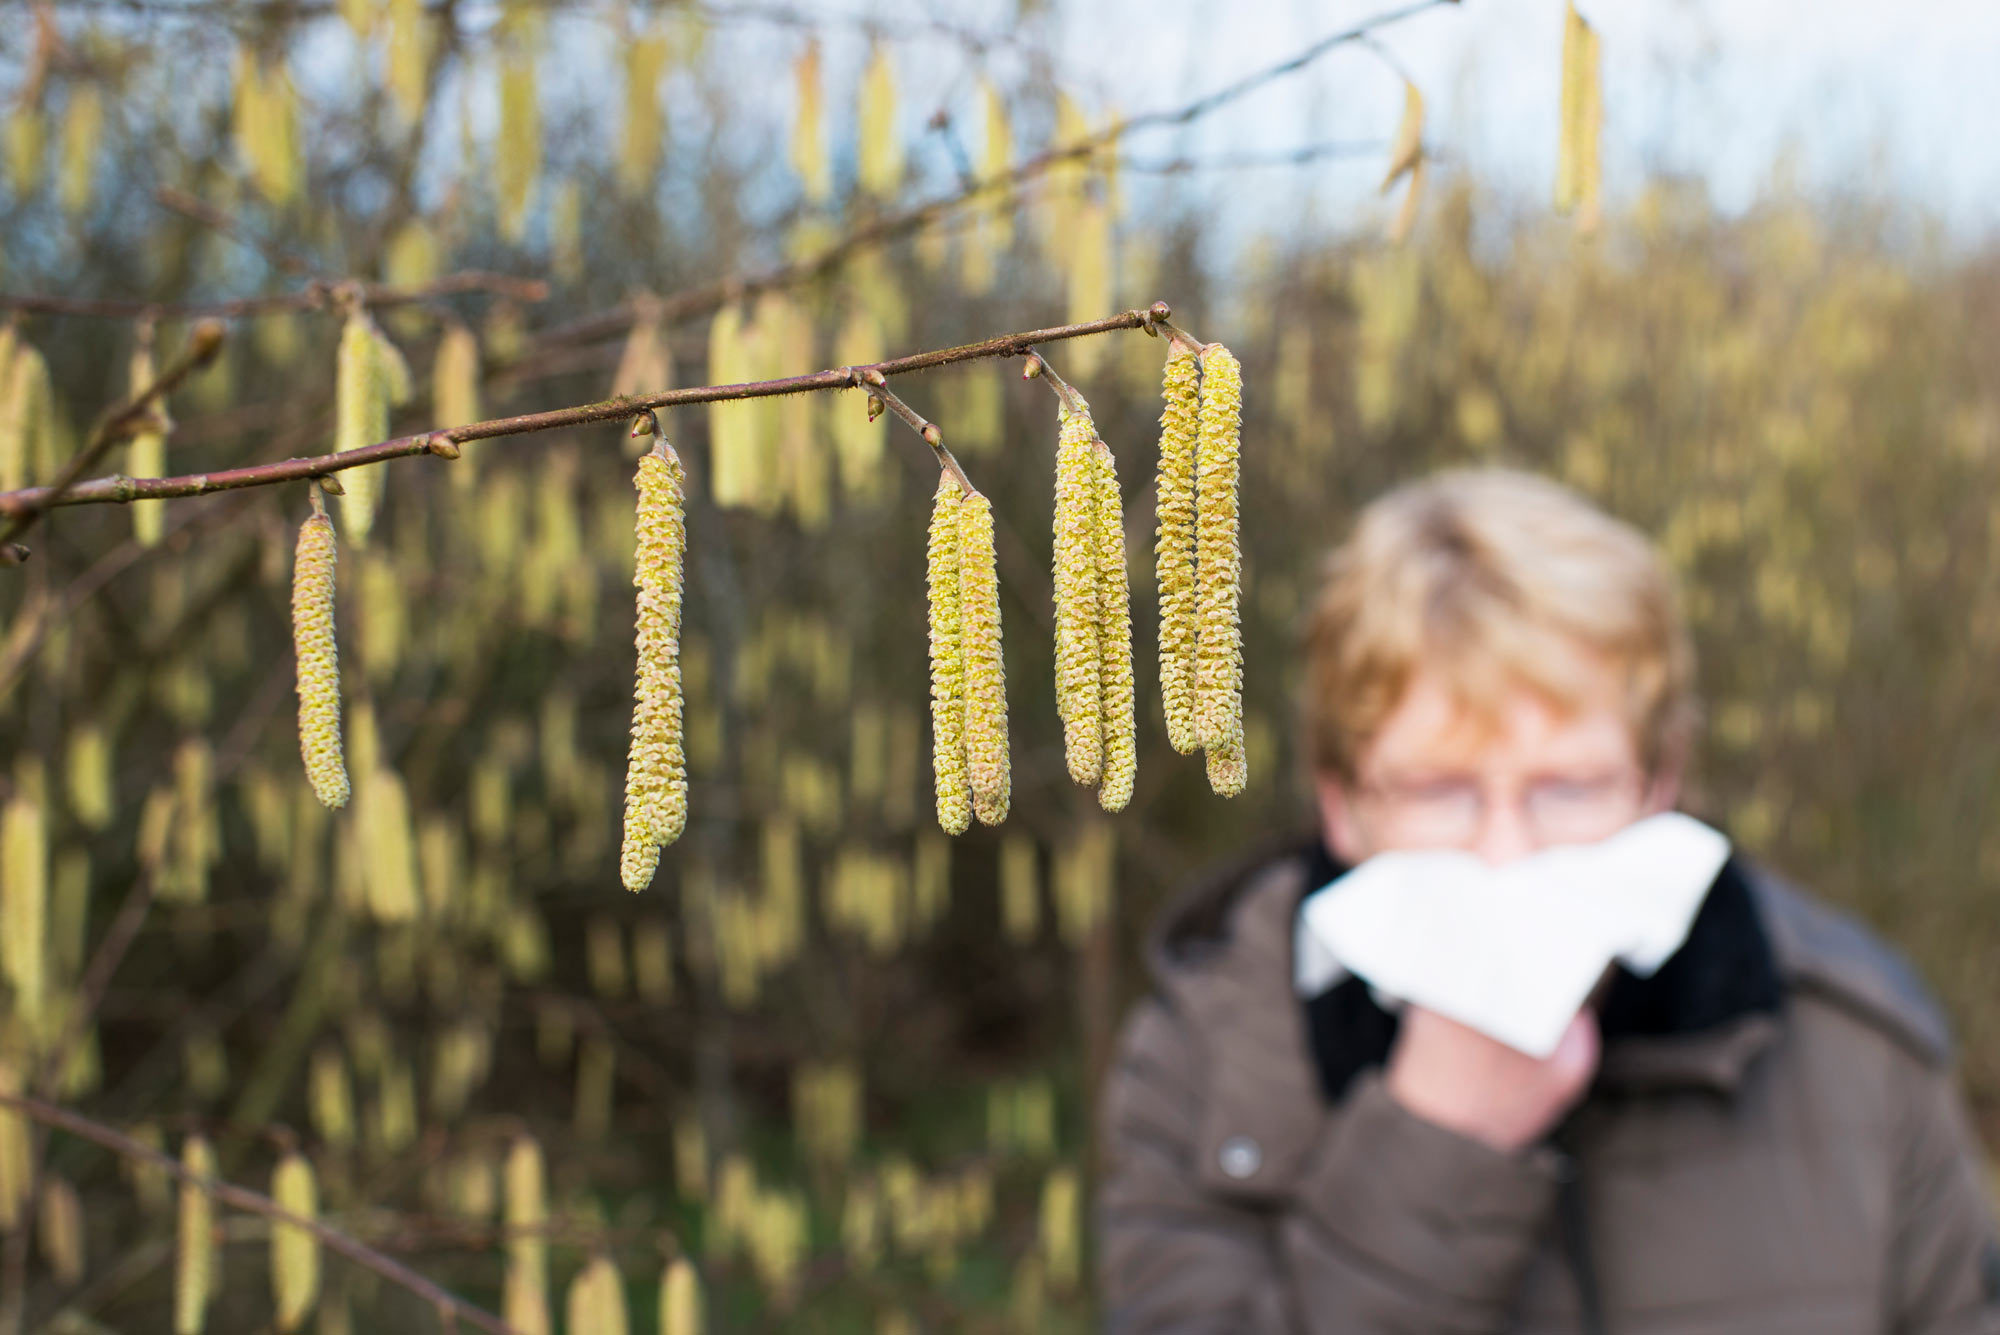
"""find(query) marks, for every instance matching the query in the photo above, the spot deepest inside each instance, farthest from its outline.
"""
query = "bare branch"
(318, 293)
(120, 489)
(187, 205)
(242, 1198)
(933, 436)
(202, 345)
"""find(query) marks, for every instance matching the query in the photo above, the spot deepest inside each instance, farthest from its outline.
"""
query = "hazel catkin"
(954, 794)
(1174, 548)
(194, 1257)
(1117, 694)
(318, 659)
(361, 417)
(1078, 669)
(1218, 560)
(294, 1251)
(986, 760)
(656, 767)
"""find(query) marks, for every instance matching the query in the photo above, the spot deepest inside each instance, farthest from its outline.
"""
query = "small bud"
(932, 436)
(443, 446)
(875, 407)
(331, 485)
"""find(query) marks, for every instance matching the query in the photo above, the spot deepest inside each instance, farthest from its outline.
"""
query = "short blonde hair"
(1495, 578)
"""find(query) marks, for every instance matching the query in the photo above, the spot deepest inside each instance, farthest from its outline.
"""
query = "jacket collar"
(1273, 1068)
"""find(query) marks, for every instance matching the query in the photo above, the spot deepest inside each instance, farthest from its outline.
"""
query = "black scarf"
(1723, 970)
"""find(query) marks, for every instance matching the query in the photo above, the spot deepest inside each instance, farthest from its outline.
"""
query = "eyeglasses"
(1556, 809)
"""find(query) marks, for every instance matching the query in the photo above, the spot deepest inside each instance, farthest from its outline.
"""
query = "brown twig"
(878, 387)
(1038, 368)
(318, 293)
(242, 1198)
(187, 205)
(119, 489)
(202, 345)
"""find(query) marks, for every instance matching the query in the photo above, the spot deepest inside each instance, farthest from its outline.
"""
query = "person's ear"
(1663, 789)
(1336, 817)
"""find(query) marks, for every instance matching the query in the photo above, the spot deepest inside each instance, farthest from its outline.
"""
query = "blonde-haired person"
(1762, 1136)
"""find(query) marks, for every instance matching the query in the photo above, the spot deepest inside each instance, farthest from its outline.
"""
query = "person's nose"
(1504, 835)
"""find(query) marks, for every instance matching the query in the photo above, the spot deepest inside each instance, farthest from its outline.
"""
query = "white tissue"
(1512, 951)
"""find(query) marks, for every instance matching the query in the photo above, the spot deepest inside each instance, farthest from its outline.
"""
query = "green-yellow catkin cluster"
(1173, 551)
(148, 452)
(809, 155)
(986, 761)
(194, 1254)
(24, 901)
(525, 1299)
(318, 661)
(1078, 658)
(370, 376)
(294, 1250)
(596, 1302)
(1577, 170)
(1218, 572)
(28, 428)
(1094, 686)
(264, 120)
(656, 769)
(954, 791)
(680, 1299)
(455, 391)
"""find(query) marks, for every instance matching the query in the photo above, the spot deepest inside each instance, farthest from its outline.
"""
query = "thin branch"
(318, 293)
(242, 1198)
(933, 436)
(119, 489)
(889, 227)
(1038, 368)
(187, 205)
(202, 345)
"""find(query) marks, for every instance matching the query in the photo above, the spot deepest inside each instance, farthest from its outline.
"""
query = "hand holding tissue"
(1512, 951)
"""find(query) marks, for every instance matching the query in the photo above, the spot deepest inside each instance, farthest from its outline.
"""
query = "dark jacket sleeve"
(1944, 1270)
(1397, 1225)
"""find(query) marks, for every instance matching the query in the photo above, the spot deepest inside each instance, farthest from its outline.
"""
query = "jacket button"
(1240, 1157)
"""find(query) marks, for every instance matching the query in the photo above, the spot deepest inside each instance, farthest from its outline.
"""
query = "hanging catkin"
(1582, 114)
(954, 796)
(680, 1299)
(656, 768)
(525, 1296)
(1117, 695)
(148, 453)
(318, 658)
(1174, 550)
(294, 1251)
(24, 901)
(879, 153)
(361, 417)
(809, 156)
(194, 1254)
(596, 1302)
(639, 147)
(1078, 657)
(986, 760)
(1219, 644)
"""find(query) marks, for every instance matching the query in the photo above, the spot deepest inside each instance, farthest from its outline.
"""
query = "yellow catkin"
(656, 767)
(147, 456)
(83, 128)
(27, 417)
(24, 901)
(27, 146)
(60, 1228)
(455, 392)
(294, 1250)
(809, 156)
(986, 760)
(1218, 560)
(680, 1299)
(1409, 143)
(1117, 692)
(878, 152)
(1589, 133)
(409, 58)
(1061, 1241)
(954, 794)
(639, 145)
(1078, 657)
(1406, 214)
(1020, 893)
(596, 1302)
(517, 155)
(361, 417)
(1229, 765)
(194, 1253)
(318, 661)
(1174, 546)
(858, 442)
(1576, 148)
(389, 847)
(732, 427)
(525, 1302)
(17, 1170)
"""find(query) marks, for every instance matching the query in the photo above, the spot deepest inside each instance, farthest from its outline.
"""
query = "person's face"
(1525, 777)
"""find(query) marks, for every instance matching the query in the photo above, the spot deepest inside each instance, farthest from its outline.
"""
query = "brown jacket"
(1801, 1167)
